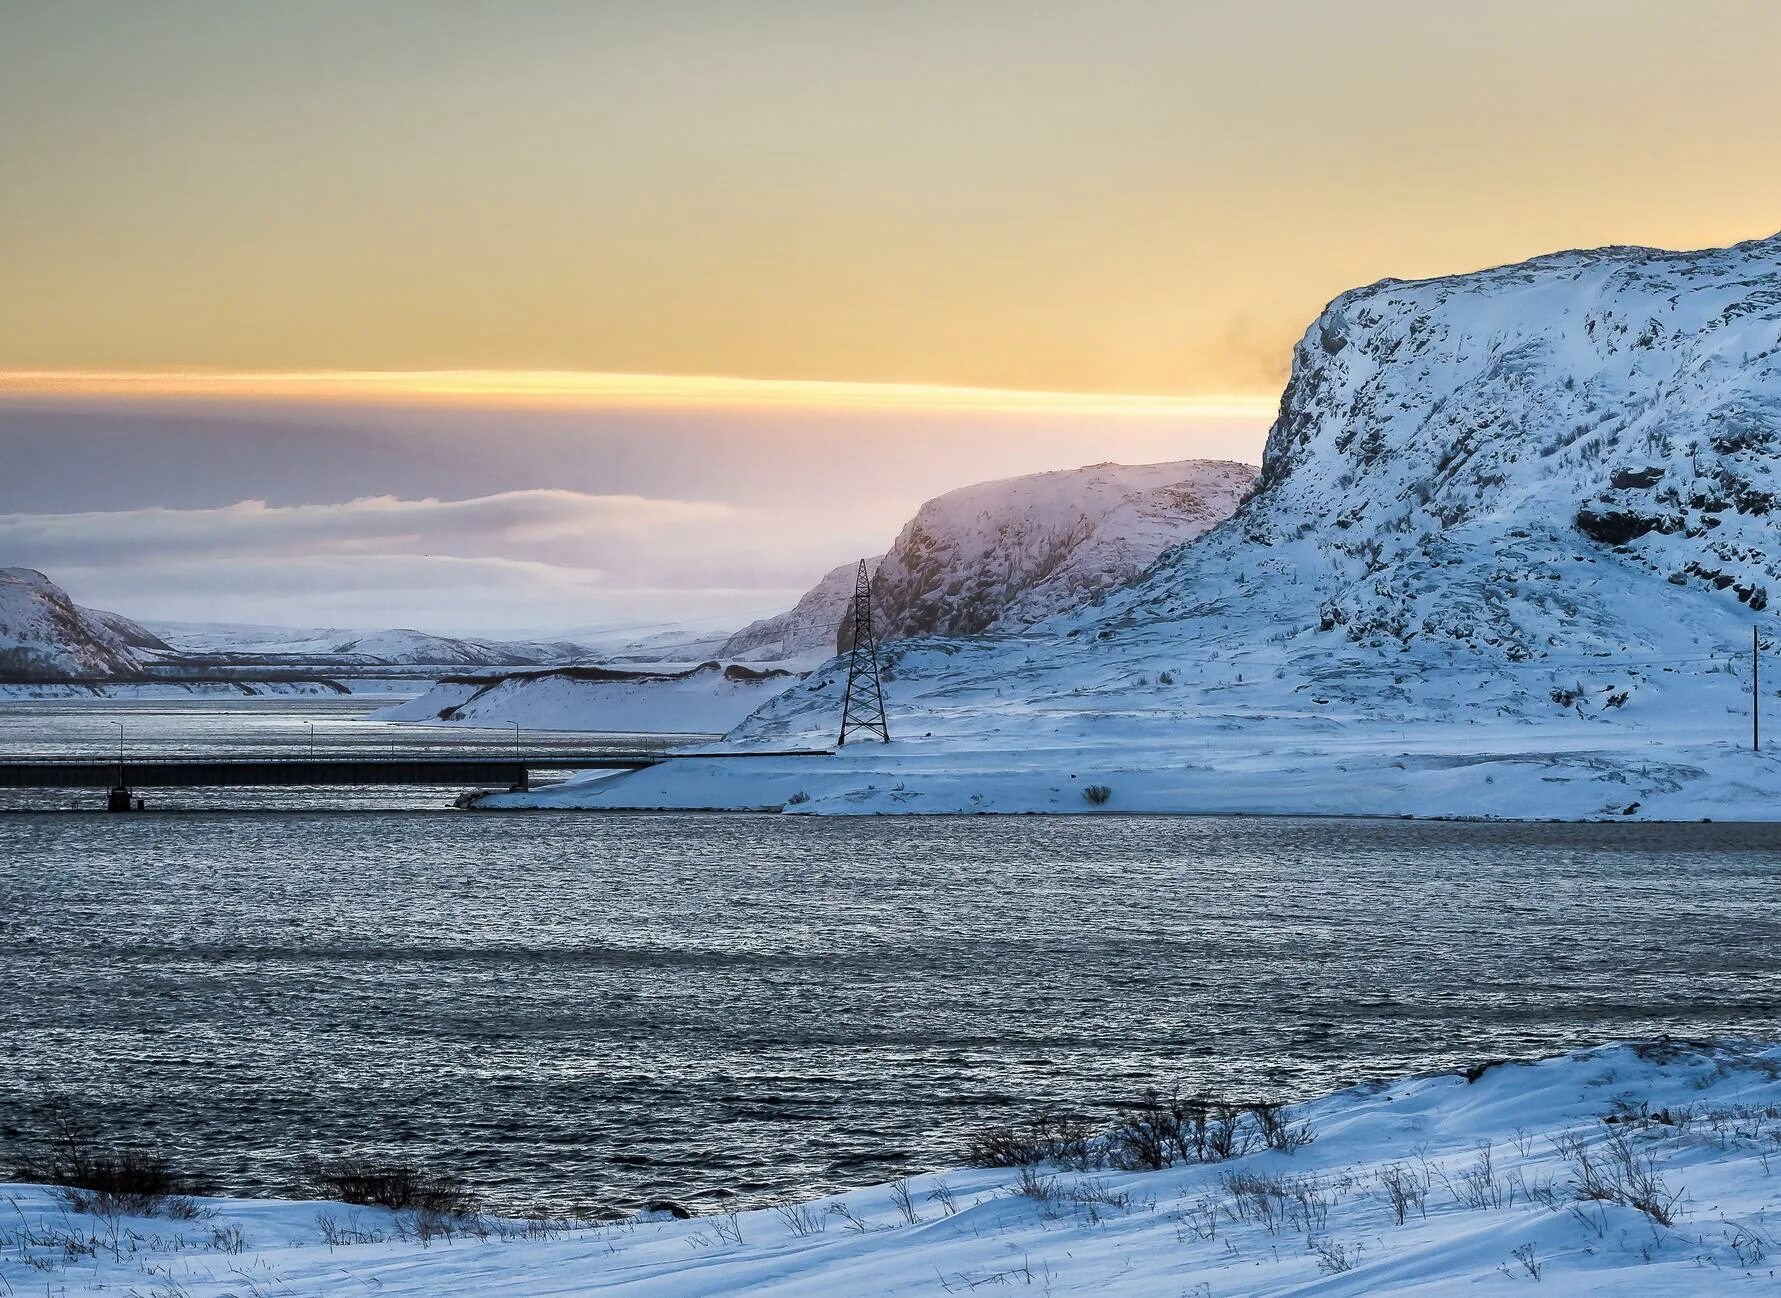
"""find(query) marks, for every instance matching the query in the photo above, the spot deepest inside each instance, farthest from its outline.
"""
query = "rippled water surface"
(595, 1009)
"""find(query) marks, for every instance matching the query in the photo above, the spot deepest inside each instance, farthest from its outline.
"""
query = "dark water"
(592, 1009)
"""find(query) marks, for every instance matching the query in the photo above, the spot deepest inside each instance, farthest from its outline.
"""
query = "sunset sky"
(279, 224)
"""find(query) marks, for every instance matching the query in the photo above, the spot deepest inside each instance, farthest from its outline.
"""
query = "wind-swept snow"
(1512, 535)
(1515, 1178)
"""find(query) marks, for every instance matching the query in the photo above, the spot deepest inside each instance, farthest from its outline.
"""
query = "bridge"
(469, 770)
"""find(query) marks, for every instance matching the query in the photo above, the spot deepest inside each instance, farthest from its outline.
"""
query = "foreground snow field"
(1515, 1176)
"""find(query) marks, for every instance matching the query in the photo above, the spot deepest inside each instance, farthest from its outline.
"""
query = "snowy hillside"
(708, 699)
(45, 635)
(1513, 533)
(1630, 1169)
(1000, 556)
(807, 630)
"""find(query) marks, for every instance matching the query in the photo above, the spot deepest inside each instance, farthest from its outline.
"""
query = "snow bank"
(1490, 1169)
(707, 699)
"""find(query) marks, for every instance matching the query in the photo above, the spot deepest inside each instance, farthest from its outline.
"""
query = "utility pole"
(862, 707)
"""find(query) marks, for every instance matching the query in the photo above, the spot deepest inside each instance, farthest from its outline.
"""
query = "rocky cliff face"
(1453, 457)
(1001, 556)
(44, 635)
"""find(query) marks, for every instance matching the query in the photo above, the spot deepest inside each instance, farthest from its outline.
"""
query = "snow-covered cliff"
(1513, 532)
(1000, 556)
(1503, 459)
(805, 631)
(44, 635)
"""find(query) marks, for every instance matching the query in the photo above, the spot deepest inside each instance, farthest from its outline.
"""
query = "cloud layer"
(514, 559)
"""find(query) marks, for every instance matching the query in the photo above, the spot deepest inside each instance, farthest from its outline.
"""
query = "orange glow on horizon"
(573, 389)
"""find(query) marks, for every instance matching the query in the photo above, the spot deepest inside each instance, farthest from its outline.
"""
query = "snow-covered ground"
(1519, 1177)
(704, 699)
(1513, 533)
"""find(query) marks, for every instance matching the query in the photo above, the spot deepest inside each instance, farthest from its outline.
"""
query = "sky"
(791, 267)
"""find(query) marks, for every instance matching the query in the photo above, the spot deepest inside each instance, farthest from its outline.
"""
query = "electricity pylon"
(862, 708)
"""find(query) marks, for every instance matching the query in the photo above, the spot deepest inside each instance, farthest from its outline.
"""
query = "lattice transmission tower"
(862, 708)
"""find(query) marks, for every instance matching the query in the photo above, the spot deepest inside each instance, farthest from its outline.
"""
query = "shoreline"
(1622, 1167)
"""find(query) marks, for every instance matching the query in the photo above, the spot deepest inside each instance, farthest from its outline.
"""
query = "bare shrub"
(1150, 1135)
(1479, 1186)
(1529, 1263)
(1031, 1185)
(856, 1223)
(1619, 1173)
(395, 1186)
(1096, 795)
(1048, 1138)
(905, 1202)
(802, 1219)
(1405, 1191)
(1276, 1132)
(1279, 1202)
(91, 1176)
(1333, 1258)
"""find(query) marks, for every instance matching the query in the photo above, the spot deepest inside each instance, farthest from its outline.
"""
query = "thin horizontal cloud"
(506, 520)
(584, 389)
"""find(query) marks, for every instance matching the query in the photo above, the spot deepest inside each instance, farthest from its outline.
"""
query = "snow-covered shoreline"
(1249, 732)
(1631, 1168)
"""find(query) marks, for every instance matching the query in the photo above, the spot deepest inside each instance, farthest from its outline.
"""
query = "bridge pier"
(121, 799)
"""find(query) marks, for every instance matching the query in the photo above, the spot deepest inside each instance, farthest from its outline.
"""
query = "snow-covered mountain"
(223, 644)
(44, 635)
(1512, 534)
(805, 631)
(1000, 556)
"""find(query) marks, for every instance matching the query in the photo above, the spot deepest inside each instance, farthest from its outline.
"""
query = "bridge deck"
(204, 772)
(479, 770)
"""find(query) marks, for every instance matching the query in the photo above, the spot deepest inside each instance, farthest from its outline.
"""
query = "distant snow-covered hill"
(225, 644)
(45, 635)
(808, 629)
(1001, 556)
